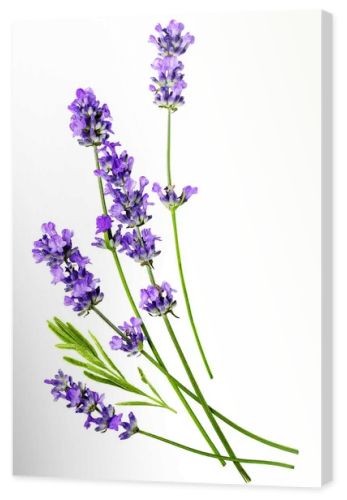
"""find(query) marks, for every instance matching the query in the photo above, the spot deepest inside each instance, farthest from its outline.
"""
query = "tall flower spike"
(90, 121)
(133, 339)
(158, 300)
(90, 403)
(169, 198)
(68, 266)
(169, 83)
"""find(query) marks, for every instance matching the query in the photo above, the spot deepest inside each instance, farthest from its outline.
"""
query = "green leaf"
(75, 362)
(86, 354)
(137, 403)
(58, 332)
(105, 356)
(83, 340)
(99, 379)
(66, 346)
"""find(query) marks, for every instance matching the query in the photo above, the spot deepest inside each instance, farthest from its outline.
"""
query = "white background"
(67, 489)
(251, 239)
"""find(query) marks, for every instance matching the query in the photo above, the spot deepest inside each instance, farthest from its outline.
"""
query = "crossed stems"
(177, 386)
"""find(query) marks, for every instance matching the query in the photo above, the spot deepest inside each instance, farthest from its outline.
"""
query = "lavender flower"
(90, 122)
(170, 199)
(140, 246)
(133, 339)
(130, 427)
(103, 223)
(90, 403)
(114, 168)
(158, 300)
(68, 266)
(168, 85)
(170, 40)
(130, 204)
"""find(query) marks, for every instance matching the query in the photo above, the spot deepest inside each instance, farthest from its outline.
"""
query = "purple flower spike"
(90, 122)
(114, 168)
(158, 300)
(170, 41)
(134, 338)
(141, 247)
(170, 199)
(169, 83)
(68, 266)
(90, 403)
(130, 204)
(130, 427)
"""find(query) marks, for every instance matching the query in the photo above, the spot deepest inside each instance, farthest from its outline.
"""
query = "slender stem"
(206, 454)
(178, 254)
(202, 399)
(168, 148)
(145, 331)
(185, 293)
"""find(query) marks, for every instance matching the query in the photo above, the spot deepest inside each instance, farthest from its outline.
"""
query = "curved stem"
(206, 454)
(185, 293)
(137, 314)
(178, 254)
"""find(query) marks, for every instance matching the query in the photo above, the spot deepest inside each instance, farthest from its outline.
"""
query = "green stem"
(168, 149)
(185, 293)
(178, 254)
(145, 331)
(201, 397)
(206, 454)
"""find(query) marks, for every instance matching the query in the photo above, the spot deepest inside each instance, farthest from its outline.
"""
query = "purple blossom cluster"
(90, 121)
(158, 300)
(132, 340)
(68, 266)
(140, 246)
(168, 84)
(90, 403)
(170, 199)
(130, 202)
(115, 168)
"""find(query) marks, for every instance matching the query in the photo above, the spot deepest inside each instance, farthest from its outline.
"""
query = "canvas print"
(145, 307)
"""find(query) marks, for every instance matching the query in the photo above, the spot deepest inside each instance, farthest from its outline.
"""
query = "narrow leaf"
(105, 356)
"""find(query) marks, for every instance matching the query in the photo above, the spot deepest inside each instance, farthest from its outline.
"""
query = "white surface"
(90, 490)
(251, 240)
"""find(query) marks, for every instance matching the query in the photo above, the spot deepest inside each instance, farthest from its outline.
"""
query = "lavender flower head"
(130, 203)
(168, 84)
(158, 300)
(140, 246)
(170, 40)
(169, 198)
(90, 403)
(132, 341)
(68, 266)
(90, 121)
(104, 225)
(114, 168)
